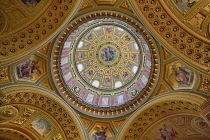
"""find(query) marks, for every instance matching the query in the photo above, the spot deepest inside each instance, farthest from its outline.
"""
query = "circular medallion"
(105, 64)
(108, 57)
(108, 54)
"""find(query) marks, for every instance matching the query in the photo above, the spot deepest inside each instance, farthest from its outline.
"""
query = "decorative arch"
(32, 104)
(157, 109)
(173, 31)
(27, 29)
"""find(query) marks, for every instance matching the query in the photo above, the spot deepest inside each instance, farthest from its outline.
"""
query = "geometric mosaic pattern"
(105, 62)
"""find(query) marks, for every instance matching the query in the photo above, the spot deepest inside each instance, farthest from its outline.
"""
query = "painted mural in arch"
(179, 127)
(185, 4)
(179, 76)
(200, 125)
(165, 132)
(31, 3)
(42, 126)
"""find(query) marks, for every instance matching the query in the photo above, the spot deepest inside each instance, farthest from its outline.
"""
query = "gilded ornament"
(4, 75)
(200, 19)
(204, 86)
(39, 122)
(7, 113)
(119, 123)
(86, 4)
(197, 20)
(126, 6)
(58, 137)
(25, 22)
(19, 120)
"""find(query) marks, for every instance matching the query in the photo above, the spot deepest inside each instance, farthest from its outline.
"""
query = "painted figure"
(109, 29)
(86, 64)
(90, 36)
(100, 134)
(86, 45)
(108, 54)
(98, 77)
(90, 73)
(100, 32)
(166, 133)
(182, 76)
(116, 77)
(131, 47)
(26, 70)
(127, 38)
(82, 55)
(107, 80)
(125, 74)
(134, 56)
(42, 126)
(118, 33)
(130, 65)
(185, 4)
(31, 3)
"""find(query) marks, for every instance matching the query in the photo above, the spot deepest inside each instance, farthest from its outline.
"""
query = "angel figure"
(26, 70)
(100, 134)
(182, 76)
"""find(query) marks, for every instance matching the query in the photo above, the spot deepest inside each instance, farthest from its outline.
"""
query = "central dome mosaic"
(105, 62)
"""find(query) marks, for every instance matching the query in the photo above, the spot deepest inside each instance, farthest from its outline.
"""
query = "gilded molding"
(183, 42)
(33, 35)
(46, 101)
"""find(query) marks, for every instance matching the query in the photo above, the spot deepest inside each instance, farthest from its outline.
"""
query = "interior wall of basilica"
(104, 70)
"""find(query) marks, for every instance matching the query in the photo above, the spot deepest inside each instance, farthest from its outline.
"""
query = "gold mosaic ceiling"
(177, 34)
(185, 31)
(107, 56)
(26, 28)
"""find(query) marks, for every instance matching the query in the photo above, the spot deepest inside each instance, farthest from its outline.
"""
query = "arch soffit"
(34, 92)
(37, 30)
(171, 34)
(157, 109)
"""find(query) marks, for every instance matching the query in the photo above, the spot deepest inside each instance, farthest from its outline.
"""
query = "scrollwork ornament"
(7, 113)
(58, 137)
(205, 84)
